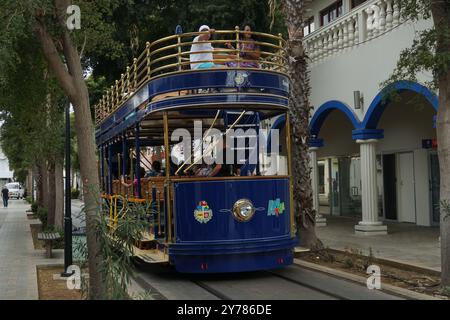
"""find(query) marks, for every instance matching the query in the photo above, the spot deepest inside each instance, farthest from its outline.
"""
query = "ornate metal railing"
(170, 55)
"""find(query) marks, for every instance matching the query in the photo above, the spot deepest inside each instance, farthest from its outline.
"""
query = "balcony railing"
(364, 23)
(170, 55)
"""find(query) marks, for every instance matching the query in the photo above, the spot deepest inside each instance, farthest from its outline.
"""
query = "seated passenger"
(206, 57)
(155, 170)
(135, 181)
(223, 169)
(203, 171)
(248, 45)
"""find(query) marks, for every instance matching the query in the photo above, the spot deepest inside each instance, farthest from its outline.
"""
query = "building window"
(356, 3)
(331, 13)
(309, 27)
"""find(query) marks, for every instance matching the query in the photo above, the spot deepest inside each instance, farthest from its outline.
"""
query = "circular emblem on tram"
(243, 210)
(240, 78)
(203, 213)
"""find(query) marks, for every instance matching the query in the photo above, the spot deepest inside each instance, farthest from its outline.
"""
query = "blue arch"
(380, 102)
(324, 110)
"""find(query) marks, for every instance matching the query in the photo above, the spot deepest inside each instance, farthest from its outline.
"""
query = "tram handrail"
(170, 55)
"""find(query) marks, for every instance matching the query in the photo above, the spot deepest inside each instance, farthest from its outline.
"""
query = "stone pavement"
(404, 243)
(18, 258)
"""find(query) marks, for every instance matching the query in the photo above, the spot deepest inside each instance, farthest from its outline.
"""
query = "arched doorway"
(408, 162)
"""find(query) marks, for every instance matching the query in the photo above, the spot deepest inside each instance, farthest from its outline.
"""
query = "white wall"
(362, 68)
(5, 173)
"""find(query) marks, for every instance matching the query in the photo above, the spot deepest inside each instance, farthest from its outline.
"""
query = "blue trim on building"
(367, 129)
(380, 102)
(324, 110)
(367, 134)
(316, 143)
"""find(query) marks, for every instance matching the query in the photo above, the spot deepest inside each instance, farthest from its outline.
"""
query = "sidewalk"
(18, 259)
(405, 243)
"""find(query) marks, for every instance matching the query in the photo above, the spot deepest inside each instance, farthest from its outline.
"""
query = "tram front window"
(239, 144)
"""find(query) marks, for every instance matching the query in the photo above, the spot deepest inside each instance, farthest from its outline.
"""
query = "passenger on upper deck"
(197, 51)
(245, 47)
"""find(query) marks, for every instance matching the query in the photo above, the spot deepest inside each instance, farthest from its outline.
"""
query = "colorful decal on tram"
(203, 213)
(275, 208)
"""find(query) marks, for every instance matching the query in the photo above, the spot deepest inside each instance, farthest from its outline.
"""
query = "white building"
(373, 153)
(5, 174)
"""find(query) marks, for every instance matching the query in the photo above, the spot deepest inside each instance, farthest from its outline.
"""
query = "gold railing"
(172, 55)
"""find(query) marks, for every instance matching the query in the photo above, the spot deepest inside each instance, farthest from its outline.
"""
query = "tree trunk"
(51, 194)
(39, 185)
(44, 182)
(441, 17)
(59, 195)
(70, 77)
(29, 184)
(299, 119)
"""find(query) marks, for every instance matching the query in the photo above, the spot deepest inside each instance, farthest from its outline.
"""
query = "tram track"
(291, 283)
(211, 290)
(303, 284)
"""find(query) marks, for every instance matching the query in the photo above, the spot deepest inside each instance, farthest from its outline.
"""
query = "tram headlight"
(243, 210)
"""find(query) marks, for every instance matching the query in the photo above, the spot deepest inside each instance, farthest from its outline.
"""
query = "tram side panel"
(210, 238)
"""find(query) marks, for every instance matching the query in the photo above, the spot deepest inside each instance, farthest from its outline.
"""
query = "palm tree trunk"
(299, 116)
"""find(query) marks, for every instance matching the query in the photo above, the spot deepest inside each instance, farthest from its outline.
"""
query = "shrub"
(34, 207)
(75, 193)
(42, 214)
(29, 200)
(348, 263)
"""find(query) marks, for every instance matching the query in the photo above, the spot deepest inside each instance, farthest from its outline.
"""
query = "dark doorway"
(390, 186)
(434, 187)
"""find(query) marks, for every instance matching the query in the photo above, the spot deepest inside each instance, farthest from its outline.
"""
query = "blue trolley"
(238, 220)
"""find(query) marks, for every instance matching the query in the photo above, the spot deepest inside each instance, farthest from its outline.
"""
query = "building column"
(315, 144)
(369, 224)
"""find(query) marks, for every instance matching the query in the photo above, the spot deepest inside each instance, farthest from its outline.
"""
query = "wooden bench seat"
(48, 238)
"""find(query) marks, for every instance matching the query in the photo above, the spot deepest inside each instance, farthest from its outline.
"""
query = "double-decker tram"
(204, 143)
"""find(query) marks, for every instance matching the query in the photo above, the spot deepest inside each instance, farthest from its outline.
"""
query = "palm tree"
(293, 11)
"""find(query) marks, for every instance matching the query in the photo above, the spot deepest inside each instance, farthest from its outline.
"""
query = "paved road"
(291, 283)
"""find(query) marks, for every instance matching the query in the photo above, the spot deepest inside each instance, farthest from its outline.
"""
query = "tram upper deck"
(161, 79)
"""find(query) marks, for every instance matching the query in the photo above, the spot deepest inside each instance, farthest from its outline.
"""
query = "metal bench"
(48, 238)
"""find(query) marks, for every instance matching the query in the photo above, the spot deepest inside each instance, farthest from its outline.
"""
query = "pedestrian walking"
(5, 196)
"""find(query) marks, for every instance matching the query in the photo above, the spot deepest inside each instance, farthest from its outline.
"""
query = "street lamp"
(68, 211)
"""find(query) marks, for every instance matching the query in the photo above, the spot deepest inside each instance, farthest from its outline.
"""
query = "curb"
(361, 280)
(395, 264)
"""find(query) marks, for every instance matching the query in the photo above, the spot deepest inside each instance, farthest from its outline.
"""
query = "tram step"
(153, 256)
(301, 249)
